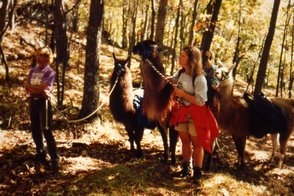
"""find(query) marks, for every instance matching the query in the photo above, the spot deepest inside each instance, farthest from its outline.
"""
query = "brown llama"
(287, 106)
(157, 100)
(122, 103)
(235, 117)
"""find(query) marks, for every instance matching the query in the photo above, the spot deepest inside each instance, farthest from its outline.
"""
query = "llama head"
(223, 71)
(120, 65)
(146, 49)
(224, 75)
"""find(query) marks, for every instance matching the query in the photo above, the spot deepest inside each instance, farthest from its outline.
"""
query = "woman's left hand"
(178, 92)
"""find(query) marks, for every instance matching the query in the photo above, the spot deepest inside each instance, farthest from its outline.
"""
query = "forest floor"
(95, 157)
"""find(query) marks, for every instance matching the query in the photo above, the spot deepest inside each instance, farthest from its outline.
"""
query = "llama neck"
(226, 91)
(122, 96)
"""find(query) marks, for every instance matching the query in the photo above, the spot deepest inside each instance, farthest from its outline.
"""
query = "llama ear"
(127, 60)
(114, 57)
(159, 49)
(230, 68)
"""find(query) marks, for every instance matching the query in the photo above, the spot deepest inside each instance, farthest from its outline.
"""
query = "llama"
(235, 117)
(157, 100)
(287, 106)
(123, 102)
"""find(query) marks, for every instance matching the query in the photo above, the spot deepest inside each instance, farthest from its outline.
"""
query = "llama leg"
(138, 138)
(283, 146)
(173, 139)
(164, 140)
(240, 143)
(131, 139)
(208, 157)
(274, 138)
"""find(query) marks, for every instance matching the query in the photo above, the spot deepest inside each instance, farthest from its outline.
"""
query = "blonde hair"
(194, 60)
(45, 52)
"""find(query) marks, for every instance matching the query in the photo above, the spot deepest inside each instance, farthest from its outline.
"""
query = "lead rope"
(46, 115)
(82, 119)
(159, 73)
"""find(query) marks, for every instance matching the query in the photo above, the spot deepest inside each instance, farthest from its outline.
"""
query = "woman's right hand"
(26, 86)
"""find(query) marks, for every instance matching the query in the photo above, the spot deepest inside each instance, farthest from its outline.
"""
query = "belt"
(37, 98)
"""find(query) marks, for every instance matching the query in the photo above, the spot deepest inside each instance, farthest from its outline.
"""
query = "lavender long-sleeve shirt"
(37, 76)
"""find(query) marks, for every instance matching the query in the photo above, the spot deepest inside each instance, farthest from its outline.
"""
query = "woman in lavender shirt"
(39, 84)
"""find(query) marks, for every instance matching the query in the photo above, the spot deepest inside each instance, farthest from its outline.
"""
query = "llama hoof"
(133, 151)
(196, 182)
(139, 154)
(173, 161)
(240, 167)
(280, 164)
(164, 160)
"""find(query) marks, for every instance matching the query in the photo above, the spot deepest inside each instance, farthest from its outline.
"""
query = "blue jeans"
(40, 127)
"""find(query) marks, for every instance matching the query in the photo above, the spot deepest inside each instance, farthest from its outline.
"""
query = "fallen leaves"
(95, 157)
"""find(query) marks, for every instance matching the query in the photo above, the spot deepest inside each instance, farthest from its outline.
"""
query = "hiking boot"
(185, 171)
(197, 174)
(55, 166)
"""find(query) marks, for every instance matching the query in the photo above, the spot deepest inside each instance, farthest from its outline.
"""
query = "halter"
(146, 52)
(121, 69)
(224, 76)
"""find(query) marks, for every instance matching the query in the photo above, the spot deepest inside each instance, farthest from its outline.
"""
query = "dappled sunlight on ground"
(81, 163)
(226, 184)
(95, 157)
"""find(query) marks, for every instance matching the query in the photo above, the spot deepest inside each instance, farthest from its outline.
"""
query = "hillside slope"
(95, 157)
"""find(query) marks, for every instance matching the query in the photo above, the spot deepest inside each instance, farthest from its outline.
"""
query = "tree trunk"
(250, 78)
(62, 53)
(91, 77)
(5, 63)
(3, 16)
(268, 42)
(236, 58)
(60, 32)
(176, 38)
(208, 35)
(291, 63)
(124, 24)
(182, 29)
(145, 26)
(191, 33)
(280, 78)
(75, 17)
(152, 19)
(47, 23)
(161, 22)
(134, 10)
(12, 16)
